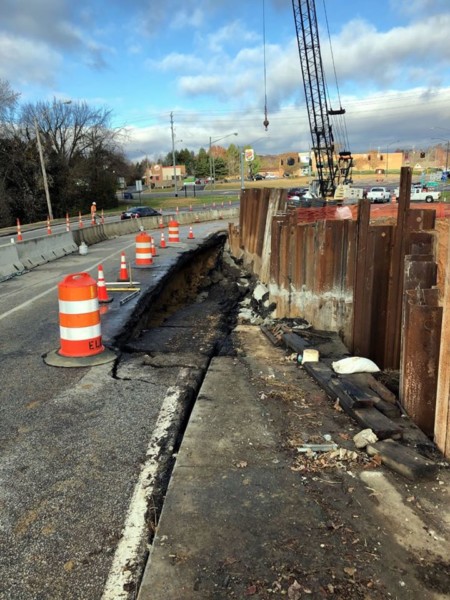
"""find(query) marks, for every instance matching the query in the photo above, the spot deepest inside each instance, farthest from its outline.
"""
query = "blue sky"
(202, 61)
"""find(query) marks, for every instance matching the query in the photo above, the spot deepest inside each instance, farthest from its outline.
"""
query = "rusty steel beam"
(395, 283)
(421, 342)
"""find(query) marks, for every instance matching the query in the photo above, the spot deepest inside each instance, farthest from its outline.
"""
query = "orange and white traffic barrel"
(174, 231)
(79, 316)
(79, 325)
(144, 256)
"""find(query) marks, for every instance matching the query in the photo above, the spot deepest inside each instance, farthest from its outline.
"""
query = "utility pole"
(44, 172)
(173, 155)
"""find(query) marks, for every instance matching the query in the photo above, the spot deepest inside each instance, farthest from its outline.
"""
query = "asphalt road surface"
(73, 440)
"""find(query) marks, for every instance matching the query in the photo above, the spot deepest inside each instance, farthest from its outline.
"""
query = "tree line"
(83, 157)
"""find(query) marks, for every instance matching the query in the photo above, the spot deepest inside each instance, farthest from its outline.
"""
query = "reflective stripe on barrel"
(79, 316)
(174, 231)
(144, 254)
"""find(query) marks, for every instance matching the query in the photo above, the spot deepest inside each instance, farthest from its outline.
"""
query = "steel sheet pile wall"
(312, 271)
(258, 206)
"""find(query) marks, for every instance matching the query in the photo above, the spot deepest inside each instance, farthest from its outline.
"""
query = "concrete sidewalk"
(225, 495)
(245, 515)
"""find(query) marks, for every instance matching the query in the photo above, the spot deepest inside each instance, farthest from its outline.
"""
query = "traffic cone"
(161, 223)
(19, 232)
(152, 246)
(80, 221)
(103, 217)
(67, 222)
(191, 234)
(123, 273)
(49, 228)
(162, 243)
(101, 287)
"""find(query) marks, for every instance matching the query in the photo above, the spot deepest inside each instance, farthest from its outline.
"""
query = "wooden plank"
(371, 418)
(294, 342)
(361, 381)
(403, 460)
(442, 421)
(333, 386)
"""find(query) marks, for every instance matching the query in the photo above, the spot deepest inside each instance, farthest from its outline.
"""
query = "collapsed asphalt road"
(72, 455)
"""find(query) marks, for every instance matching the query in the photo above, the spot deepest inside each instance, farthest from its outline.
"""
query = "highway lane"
(72, 440)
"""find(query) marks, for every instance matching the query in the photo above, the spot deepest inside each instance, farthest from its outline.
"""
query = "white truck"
(379, 194)
(419, 194)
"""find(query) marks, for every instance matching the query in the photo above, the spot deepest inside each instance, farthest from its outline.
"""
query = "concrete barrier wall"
(10, 263)
(39, 251)
(15, 258)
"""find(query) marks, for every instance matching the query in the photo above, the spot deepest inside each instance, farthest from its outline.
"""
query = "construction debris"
(348, 382)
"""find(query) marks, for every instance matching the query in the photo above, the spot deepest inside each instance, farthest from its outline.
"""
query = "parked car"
(139, 211)
(298, 197)
(379, 194)
(127, 196)
(258, 177)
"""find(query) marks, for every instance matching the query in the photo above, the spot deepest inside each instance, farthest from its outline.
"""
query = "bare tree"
(8, 99)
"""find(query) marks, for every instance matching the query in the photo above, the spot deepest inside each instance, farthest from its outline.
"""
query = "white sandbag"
(355, 364)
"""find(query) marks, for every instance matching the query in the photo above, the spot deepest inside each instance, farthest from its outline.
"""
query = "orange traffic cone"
(80, 221)
(191, 234)
(152, 246)
(123, 273)
(19, 232)
(49, 228)
(103, 217)
(67, 222)
(101, 287)
(161, 224)
(162, 243)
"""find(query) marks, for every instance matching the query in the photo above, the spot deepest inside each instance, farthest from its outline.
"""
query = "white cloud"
(176, 62)
(27, 62)
(364, 55)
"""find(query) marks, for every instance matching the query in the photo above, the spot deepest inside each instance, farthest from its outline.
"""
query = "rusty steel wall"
(341, 274)
(311, 274)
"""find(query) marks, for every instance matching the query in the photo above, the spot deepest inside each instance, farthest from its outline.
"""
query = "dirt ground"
(379, 535)
(371, 534)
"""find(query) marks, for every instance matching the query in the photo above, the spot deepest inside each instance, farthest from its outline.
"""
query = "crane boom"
(331, 169)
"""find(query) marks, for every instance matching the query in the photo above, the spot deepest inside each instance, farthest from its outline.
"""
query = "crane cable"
(341, 124)
(266, 120)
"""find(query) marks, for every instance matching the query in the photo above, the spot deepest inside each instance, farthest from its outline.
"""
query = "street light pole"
(212, 166)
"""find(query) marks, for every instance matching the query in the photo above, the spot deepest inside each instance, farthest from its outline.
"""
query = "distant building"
(159, 175)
